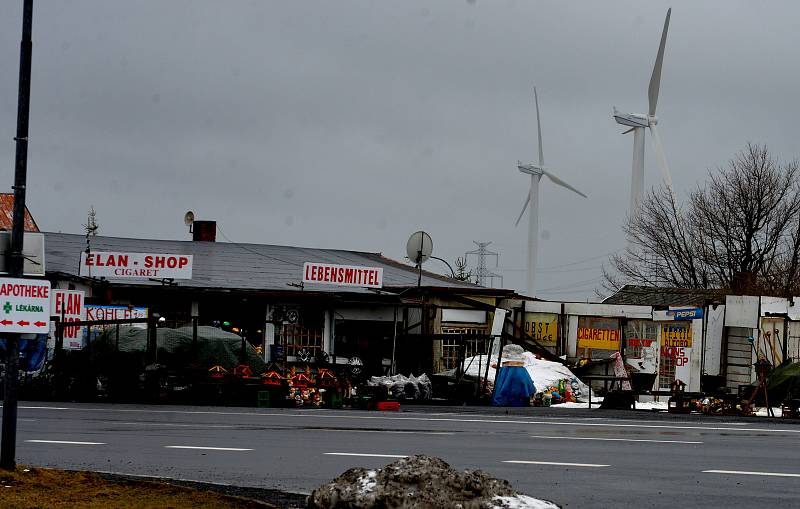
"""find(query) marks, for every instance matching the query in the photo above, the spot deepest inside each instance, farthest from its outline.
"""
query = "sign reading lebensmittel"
(342, 275)
(24, 306)
(136, 265)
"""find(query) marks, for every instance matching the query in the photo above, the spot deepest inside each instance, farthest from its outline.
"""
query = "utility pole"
(16, 261)
(482, 274)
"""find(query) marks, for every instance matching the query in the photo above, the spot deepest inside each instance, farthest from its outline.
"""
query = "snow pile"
(420, 482)
(543, 373)
(405, 387)
(522, 502)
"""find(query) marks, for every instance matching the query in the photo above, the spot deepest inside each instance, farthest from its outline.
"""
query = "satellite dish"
(419, 247)
(188, 219)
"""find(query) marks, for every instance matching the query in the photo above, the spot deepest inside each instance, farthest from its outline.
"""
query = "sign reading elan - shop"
(69, 305)
(136, 265)
(24, 306)
(342, 275)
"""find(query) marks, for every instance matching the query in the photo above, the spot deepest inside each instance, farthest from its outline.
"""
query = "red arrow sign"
(40, 324)
(6, 322)
(23, 323)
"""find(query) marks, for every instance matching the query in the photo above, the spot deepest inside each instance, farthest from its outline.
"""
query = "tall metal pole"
(15, 262)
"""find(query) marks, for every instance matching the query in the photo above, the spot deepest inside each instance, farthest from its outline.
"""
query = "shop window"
(300, 342)
(676, 339)
(452, 350)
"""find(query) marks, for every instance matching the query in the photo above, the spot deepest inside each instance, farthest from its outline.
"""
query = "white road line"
(364, 455)
(620, 439)
(669, 426)
(522, 462)
(202, 448)
(396, 432)
(68, 442)
(175, 425)
(740, 472)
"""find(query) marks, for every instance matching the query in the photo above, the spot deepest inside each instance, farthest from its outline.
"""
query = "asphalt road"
(575, 458)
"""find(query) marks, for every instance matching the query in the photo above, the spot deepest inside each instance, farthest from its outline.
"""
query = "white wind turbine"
(638, 123)
(536, 172)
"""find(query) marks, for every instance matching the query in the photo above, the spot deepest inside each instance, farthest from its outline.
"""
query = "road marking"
(620, 439)
(523, 462)
(68, 442)
(43, 408)
(669, 426)
(397, 432)
(364, 455)
(175, 425)
(741, 472)
(202, 448)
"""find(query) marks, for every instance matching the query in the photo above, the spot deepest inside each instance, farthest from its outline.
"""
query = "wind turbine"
(638, 122)
(536, 172)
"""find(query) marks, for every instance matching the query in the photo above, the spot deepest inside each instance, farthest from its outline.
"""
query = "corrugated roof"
(662, 297)
(226, 265)
(7, 214)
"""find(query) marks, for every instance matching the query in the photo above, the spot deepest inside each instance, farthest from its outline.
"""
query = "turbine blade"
(525, 206)
(655, 78)
(538, 127)
(628, 131)
(662, 159)
(561, 183)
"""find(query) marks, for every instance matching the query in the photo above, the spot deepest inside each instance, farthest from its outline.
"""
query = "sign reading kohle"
(24, 306)
(342, 275)
(136, 265)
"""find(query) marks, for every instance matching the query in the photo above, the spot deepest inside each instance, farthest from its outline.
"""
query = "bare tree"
(740, 231)
(462, 273)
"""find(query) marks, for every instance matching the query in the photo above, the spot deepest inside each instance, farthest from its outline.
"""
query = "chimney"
(204, 231)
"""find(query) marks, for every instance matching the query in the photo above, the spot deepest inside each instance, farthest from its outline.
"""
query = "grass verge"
(41, 488)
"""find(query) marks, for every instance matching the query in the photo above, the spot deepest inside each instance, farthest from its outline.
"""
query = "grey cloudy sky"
(352, 124)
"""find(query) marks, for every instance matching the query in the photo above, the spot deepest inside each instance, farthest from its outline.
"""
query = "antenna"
(188, 220)
(482, 274)
(419, 249)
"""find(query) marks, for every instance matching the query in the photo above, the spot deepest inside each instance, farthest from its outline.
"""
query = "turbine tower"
(638, 123)
(536, 172)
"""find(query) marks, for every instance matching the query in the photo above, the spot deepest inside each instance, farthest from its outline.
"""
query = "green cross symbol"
(7, 307)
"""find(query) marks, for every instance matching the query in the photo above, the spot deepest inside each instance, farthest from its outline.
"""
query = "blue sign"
(686, 314)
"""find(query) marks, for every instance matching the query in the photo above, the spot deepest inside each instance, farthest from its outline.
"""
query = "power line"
(578, 262)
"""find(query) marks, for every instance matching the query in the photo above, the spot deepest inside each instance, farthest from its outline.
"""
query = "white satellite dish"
(188, 218)
(419, 247)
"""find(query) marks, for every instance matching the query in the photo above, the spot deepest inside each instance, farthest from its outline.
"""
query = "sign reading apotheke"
(24, 306)
(136, 265)
(342, 275)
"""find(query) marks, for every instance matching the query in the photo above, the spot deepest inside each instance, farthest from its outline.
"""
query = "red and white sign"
(68, 304)
(24, 306)
(136, 265)
(342, 275)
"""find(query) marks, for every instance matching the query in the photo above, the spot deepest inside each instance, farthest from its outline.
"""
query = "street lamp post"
(16, 260)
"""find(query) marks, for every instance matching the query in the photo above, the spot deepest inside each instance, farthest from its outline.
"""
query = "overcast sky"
(353, 124)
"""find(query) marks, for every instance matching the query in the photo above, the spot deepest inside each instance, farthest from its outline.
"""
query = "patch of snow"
(367, 483)
(522, 502)
(652, 405)
(762, 412)
(544, 373)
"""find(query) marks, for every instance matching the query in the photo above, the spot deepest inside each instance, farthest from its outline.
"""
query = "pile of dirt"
(418, 482)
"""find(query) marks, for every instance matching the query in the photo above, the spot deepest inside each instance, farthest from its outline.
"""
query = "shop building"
(310, 302)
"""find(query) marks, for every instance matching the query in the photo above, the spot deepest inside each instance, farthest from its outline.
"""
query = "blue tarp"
(32, 352)
(513, 387)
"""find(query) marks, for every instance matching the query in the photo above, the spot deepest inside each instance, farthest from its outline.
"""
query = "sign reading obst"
(136, 265)
(24, 306)
(342, 275)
